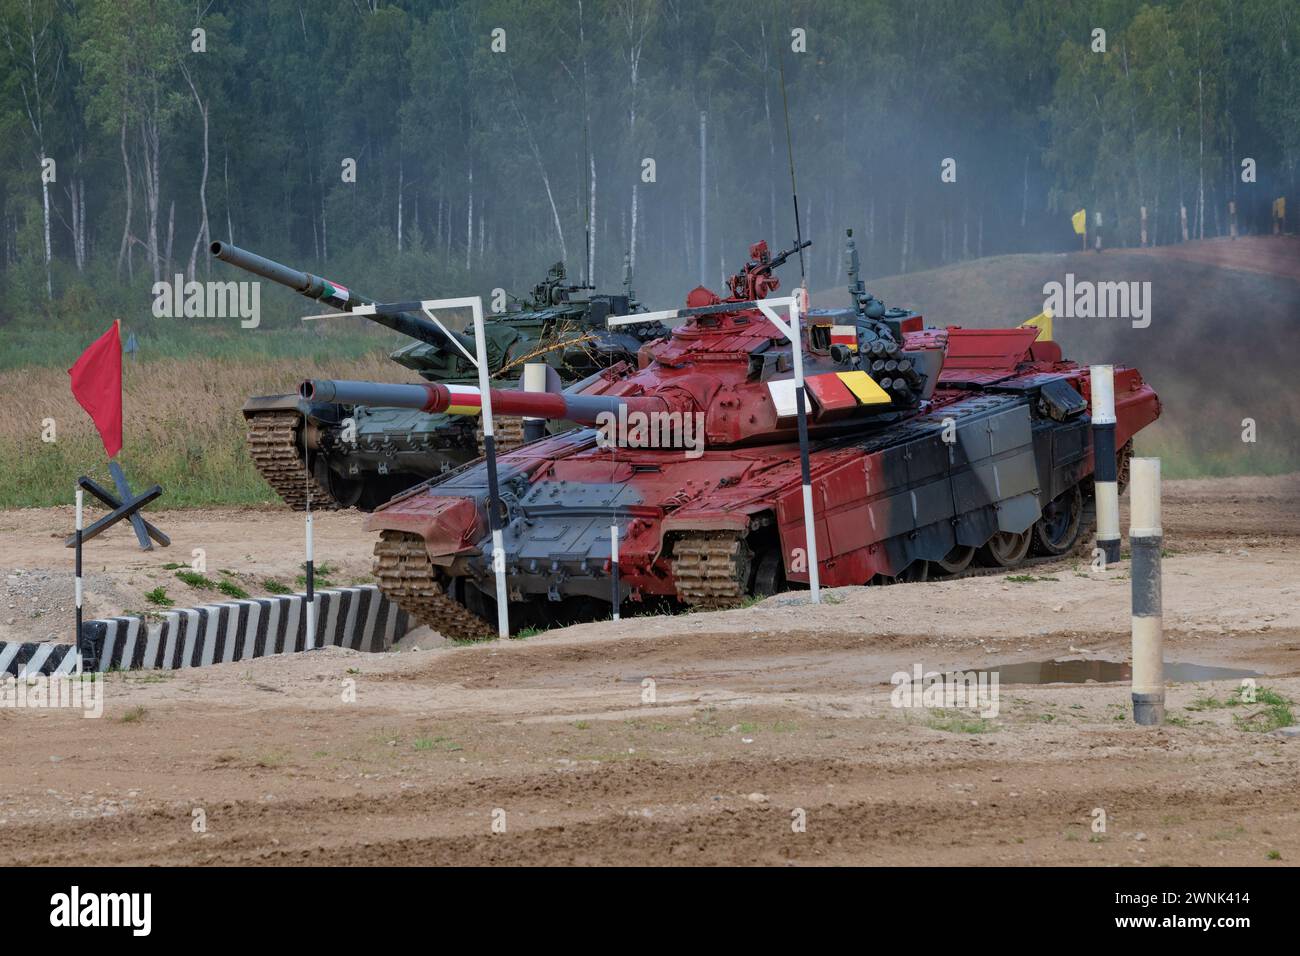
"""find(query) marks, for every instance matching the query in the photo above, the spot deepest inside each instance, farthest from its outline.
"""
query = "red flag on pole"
(97, 386)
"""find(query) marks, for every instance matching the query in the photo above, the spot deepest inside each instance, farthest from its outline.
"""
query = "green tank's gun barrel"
(323, 290)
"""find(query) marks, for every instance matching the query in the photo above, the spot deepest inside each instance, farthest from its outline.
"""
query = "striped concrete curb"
(358, 617)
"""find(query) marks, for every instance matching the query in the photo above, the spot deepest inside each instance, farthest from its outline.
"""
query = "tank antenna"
(789, 148)
(586, 195)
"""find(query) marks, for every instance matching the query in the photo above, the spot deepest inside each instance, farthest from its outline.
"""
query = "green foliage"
(957, 723)
(196, 580)
(230, 589)
(159, 597)
(1268, 711)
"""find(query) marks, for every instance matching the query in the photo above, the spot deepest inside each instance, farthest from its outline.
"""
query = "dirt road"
(771, 737)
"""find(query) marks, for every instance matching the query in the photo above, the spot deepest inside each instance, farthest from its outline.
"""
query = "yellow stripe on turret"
(864, 388)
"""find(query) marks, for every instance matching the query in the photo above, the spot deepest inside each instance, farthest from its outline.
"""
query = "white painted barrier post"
(1105, 472)
(1146, 539)
(534, 381)
(613, 565)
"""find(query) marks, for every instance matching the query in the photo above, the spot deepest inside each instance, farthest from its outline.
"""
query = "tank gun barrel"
(323, 290)
(434, 397)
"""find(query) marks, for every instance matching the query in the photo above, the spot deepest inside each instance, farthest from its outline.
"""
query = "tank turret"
(362, 454)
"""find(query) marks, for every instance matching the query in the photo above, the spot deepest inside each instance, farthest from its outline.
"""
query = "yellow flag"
(1043, 322)
(1080, 221)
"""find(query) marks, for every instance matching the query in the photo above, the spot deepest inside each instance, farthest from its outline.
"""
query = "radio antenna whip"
(586, 172)
(789, 148)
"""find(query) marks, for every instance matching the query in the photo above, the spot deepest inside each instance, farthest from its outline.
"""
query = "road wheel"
(956, 561)
(1005, 549)
(769, 573)
(1057, 531)
(915, 572)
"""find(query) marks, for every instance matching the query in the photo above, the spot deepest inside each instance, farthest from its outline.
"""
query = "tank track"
(407, 577)
(273, 446)
(712, 570)
(1123, 465)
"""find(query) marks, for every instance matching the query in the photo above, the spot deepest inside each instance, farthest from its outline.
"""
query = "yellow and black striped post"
(1105, 472)
(1145, 539)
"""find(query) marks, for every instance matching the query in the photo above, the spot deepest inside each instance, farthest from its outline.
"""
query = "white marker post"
(1146, 538)
(534, 381)
(792, 332)
(789, 329)
(490, 453)
(77, 586)
(1104, 465)
(613, 565)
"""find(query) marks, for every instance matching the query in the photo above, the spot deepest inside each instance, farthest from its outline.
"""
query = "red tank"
(928, 448)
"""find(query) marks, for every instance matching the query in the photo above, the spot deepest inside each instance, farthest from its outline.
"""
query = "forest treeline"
(431, 147)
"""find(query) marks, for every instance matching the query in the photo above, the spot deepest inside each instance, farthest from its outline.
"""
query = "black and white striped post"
(1104, 464)
(792, 332)
(77, 586)
(1145, 539)
(310, 602)
(490, 459)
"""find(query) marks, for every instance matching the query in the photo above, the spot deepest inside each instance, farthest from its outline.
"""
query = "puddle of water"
(1107, 672)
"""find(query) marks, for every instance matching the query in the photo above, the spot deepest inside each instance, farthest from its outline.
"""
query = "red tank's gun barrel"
(435, 397)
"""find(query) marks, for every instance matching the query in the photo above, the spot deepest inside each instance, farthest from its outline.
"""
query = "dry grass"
(183, 427)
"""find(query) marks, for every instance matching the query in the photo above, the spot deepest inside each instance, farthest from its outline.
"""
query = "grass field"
(183, 427)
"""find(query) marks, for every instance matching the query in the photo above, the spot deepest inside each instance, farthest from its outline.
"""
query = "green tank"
(361, 455)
